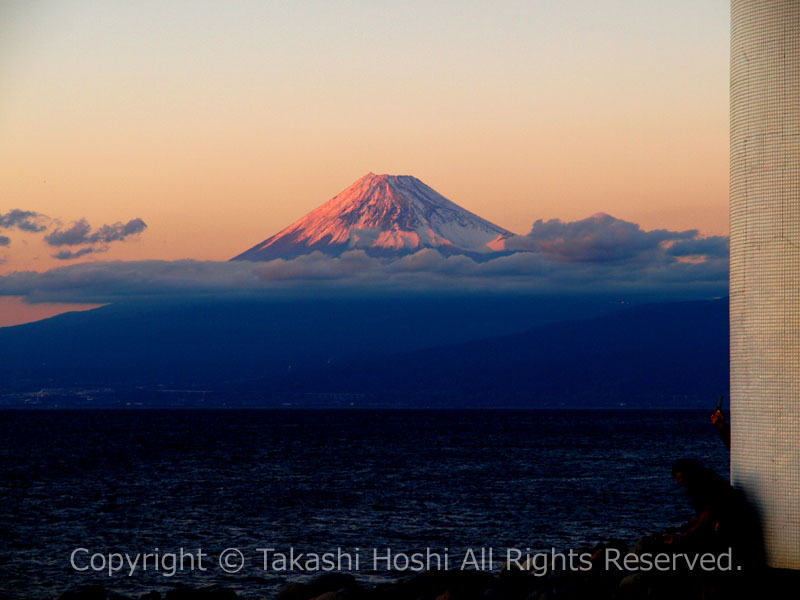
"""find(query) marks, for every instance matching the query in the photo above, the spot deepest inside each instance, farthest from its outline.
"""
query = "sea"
(78, 488)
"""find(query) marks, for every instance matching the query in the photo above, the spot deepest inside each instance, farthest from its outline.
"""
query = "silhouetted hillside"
(211, 343)
(661, 355)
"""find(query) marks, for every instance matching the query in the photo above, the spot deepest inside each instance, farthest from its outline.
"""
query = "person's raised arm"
(723, 427)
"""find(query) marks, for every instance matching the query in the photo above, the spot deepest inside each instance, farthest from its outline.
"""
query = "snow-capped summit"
(385, 215)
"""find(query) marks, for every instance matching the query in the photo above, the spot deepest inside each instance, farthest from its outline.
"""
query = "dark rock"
(89, 592)
(294, 591)
(518, 584)
(449, 585)
(330, 582)
(212, 593)
(329, 586)
(633, 586)
(387, 591)
(154, 595)
(428, 585)
(348, 593)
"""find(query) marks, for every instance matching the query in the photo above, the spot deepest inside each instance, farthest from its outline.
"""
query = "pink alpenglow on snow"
(385, 215)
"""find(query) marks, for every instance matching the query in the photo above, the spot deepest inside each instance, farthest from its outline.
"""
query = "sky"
(216, 124)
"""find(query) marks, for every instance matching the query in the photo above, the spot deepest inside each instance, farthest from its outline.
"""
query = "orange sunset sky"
(219, 123)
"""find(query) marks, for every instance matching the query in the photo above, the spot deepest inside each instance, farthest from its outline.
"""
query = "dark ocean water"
(116, 481)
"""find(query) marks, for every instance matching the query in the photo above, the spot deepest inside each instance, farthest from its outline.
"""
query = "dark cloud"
(598, 239)
(26, 220)
(77, 234)
(70, 254)
(81, 233)
(354, 272)
(599, 255)
(712, 246)
(118, 231)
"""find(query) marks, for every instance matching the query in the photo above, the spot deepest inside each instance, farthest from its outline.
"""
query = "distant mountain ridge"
(208, 342)
(385, 215)
(651, 356)
(425, 352)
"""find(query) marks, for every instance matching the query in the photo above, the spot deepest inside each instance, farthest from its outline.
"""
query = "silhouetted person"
(723, 519)
(710, 495)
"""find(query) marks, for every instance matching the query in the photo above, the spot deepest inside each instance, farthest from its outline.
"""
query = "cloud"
(599, 239)
(712, 246)
(25, 220)
(357, 273)
(363, 238)
(81, 233)
(119, 231)
(78, 234)
(70, 254)
(599, 255)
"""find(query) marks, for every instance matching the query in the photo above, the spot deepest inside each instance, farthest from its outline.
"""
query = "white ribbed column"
(765, 267)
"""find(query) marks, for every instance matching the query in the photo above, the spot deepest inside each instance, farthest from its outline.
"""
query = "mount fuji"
(385, 215)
